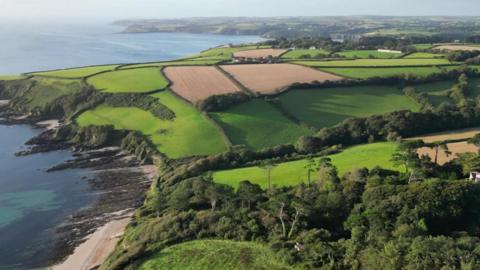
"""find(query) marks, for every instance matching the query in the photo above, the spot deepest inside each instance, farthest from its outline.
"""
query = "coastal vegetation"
(76, 72)
(140, 80)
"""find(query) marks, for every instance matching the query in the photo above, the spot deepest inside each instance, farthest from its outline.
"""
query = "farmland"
(294, 172)
(177, 138)
(198, 83)
(457, 48)
(257, 124)
(221, 52)
(368, 54)
(141, 80)
(365, 73)
(11, 77)
(298, 54)
(462, 134)
(376, 63)
(259, 53)
(270, 79)
(193, 62)
(215, 255)
(330, 106)
(454, 149)
(76, 72)
(424, 55)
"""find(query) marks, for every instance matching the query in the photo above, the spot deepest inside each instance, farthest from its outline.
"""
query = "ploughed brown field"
(259, 53)
(455, 148)
(195, 83)
(449, 135)
(457, 48)
(273, 78)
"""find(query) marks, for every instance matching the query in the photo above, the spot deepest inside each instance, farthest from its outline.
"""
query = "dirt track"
(197, 83)
(271, 78)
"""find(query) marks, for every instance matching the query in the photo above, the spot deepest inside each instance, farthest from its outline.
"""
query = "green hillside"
(139, 80)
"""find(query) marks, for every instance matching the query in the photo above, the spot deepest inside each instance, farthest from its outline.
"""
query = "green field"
(76, 72)
(142, 80)
(47, 90)
(294, 172)
(11, 77)
(330, 106)
(365, 73)
(215, 255)
(376, 63)
(423, 46)
(297, 54)
(190, 133)
(223, 53)
(437, 91)
(193, 62)
(368, 54)
(257, 124)
(424, 55)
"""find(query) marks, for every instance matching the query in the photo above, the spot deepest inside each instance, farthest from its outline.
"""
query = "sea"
(33, 202)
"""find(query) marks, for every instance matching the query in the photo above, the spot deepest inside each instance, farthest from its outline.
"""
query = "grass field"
(423, 46)
(424, 55)
(11, 77)
(293, 173)
(215, 255)
(140, 80)
(257, 124)
(376, 63)
(193, 62)
(330, 106)
(365, 73)
(223, 53)
(437, 91)
(190, 133)
(368, 54)
(297, 54)
(47, 90)
(76, 72)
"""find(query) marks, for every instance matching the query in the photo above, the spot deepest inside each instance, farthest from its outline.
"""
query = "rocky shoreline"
(119, 180)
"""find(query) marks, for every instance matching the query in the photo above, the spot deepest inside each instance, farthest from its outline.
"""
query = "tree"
(475, 140)
(406, 156)
(470, 162)
(268, 166)
(437, 146)
(311, 166)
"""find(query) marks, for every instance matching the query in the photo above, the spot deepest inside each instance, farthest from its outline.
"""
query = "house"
(475, 176)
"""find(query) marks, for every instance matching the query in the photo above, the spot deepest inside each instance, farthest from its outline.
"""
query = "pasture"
(424, 55)
(190, 133)
(223, 52)
(215, 255)
(199, 82)
(368, 54)
(76, 72)
(376, 63)
(258, 124)
(305, 53)
(365, 73)
(141, 80)
(259, 53)
(11, 77)
(461, 134)
(327, 107)
(294, 172)
(193, 62)
(273, 78)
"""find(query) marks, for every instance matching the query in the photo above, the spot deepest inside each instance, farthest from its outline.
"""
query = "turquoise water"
(32, 201)
(39, 46)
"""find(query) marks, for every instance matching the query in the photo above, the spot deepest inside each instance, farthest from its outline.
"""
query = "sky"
(139, 9)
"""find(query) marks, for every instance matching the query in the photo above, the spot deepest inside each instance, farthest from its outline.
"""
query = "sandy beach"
(102, 242)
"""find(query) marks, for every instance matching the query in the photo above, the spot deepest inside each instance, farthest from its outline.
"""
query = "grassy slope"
(215, 255)
(365, 73)
(375, 62)
(437, 91)
(296, 54)
(129, 81)
(223, 53)
(190, 133)
(368, 54)
(48, 89)
(329, 106)
(11, 77)
(76, 72)
(258, 124)
(293, 173)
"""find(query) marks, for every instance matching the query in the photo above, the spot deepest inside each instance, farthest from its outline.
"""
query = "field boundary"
(243, 88)
(278, 106)
(219, 128)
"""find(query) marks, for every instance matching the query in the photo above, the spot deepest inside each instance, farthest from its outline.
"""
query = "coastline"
(98, 245)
